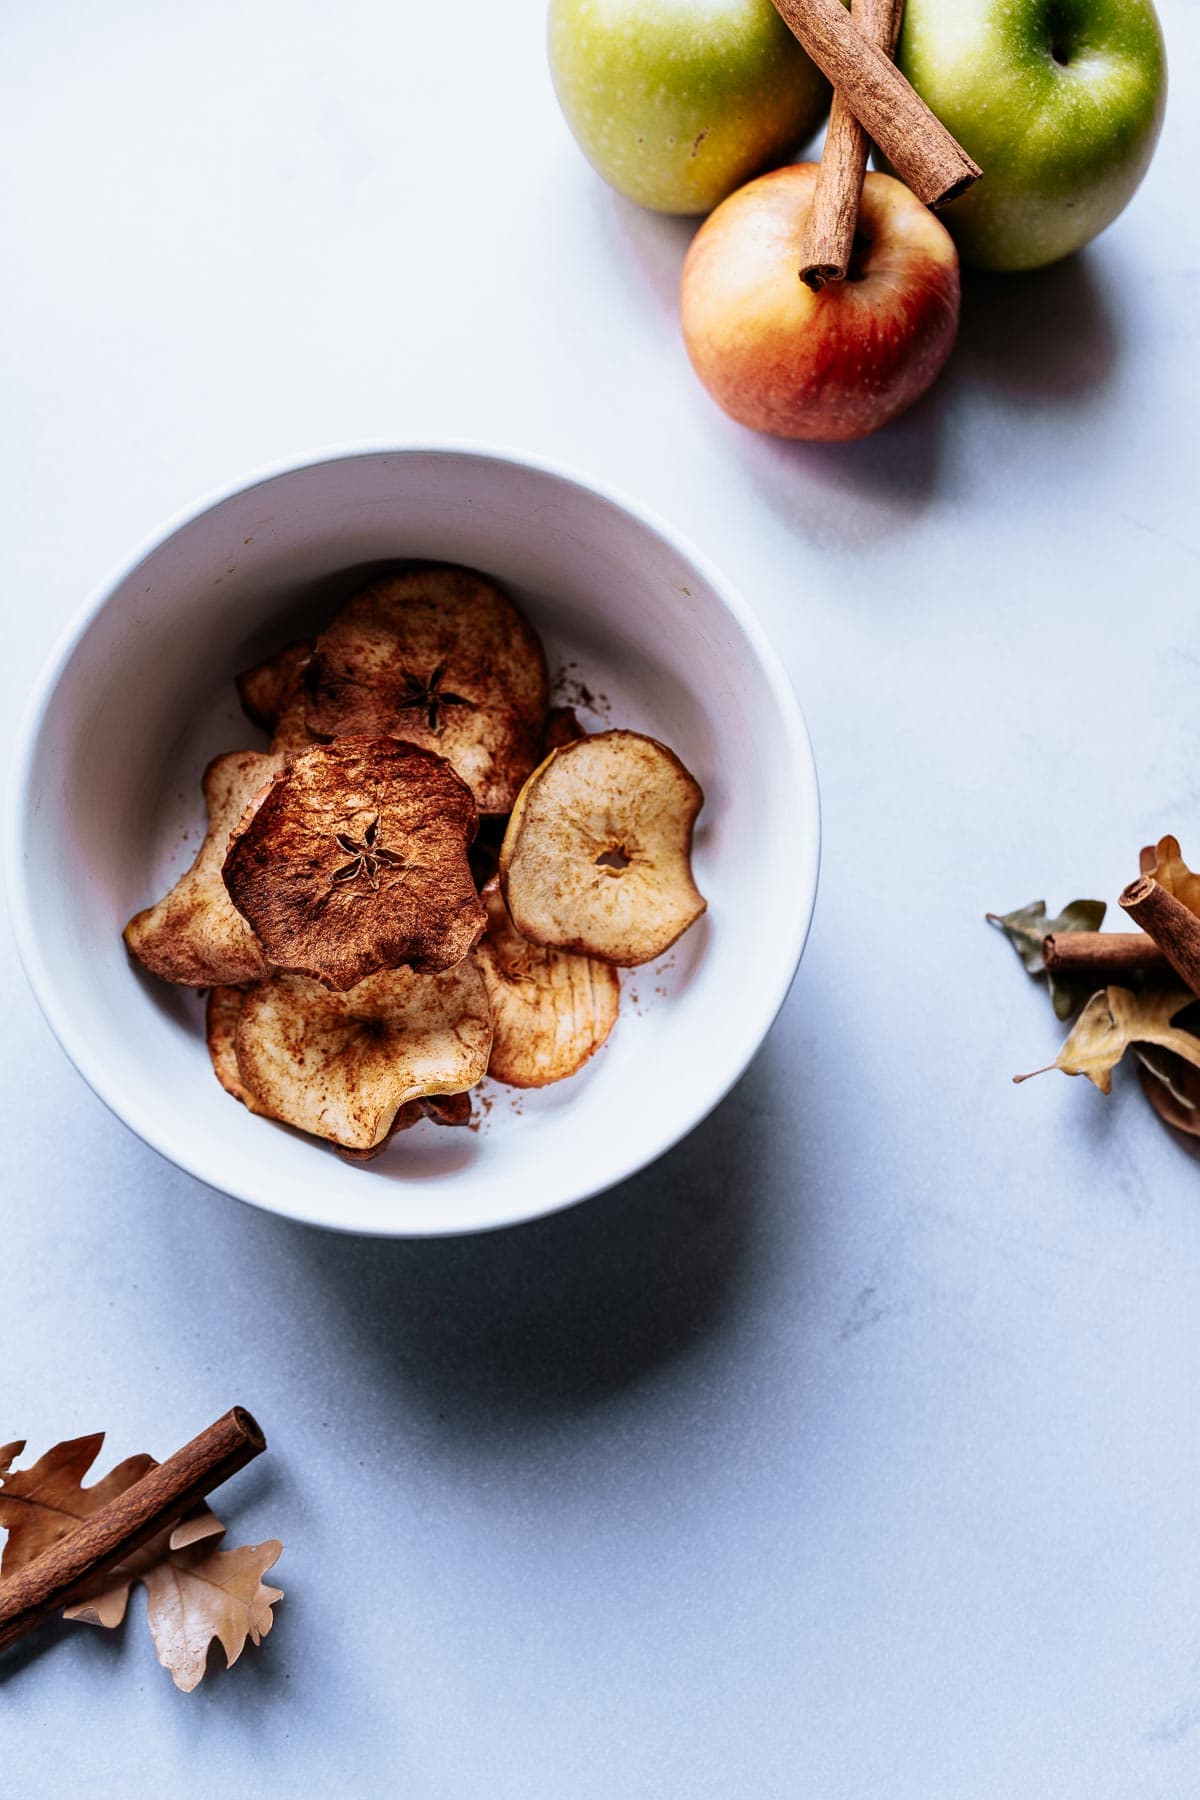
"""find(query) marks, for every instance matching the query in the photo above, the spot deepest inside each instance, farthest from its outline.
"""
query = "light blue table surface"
(852, 1452)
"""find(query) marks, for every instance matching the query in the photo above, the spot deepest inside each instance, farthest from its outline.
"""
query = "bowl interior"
(108, 812)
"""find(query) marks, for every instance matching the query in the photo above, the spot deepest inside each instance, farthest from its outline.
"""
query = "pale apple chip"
(597, 855)
(341, 1066)
(355, 860)
(442, 658)
(223, 1013)
(440, 1109)
(551, 1009)
(195, 935)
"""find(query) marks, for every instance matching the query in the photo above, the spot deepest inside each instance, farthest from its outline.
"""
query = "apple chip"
(442, 658)
(440, 1109)
(273, 695)
(550, 1008)
(221, 1023)
(597, 855)
(267, 688)
(562, 728)
(221, 1016)
(447, 1109)
(195, 935)
(355, 860)
(342, 1065)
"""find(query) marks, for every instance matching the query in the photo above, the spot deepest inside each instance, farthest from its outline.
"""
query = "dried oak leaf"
(551, 1009)
(597, 854)
(1164, 861)
(195, 936)
(1027, 930)
(195, 1592)
(442, 658)
(355, 860)
(1112, 1021)
(342, 1065)
(200, 1593)
(44, 1503)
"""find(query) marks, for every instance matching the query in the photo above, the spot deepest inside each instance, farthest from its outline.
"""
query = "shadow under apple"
(849, 496)
(1050, 334)
(652, 244)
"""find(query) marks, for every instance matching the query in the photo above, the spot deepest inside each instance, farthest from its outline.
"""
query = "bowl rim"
(22, 911)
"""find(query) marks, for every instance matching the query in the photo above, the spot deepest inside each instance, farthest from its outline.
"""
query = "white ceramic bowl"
(105, 811)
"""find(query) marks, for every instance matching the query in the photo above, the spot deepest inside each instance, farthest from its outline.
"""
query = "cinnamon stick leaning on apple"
(927, 158)
(829, 234)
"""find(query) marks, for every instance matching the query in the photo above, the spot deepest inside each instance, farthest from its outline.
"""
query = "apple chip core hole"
(615, 860)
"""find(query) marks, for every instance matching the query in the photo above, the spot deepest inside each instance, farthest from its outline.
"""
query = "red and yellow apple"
(831, 365)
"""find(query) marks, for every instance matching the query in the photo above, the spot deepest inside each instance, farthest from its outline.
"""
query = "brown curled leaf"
(1164, 861)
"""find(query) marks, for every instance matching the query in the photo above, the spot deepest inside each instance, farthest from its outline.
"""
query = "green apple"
(1059, 101)
(677, 102)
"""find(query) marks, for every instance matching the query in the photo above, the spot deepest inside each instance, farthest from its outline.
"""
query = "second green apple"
(1060, 101)
(677, 102)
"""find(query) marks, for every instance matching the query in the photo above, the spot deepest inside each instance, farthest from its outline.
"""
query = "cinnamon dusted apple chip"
(447, 1109)
(223, 1012)
(342, 1065)
(597, 855)
(266, 689)
(195, 935)
(442, 1109)
(442, 658)
(355, 860)
(221, 1015)
(273, 696)
(550, 1009)
(562, 728)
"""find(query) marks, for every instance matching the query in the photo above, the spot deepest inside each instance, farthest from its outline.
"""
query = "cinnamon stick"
(1103, 955)
(160, 1498)
(1174, 929)
(920, 149)
(829, 233)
